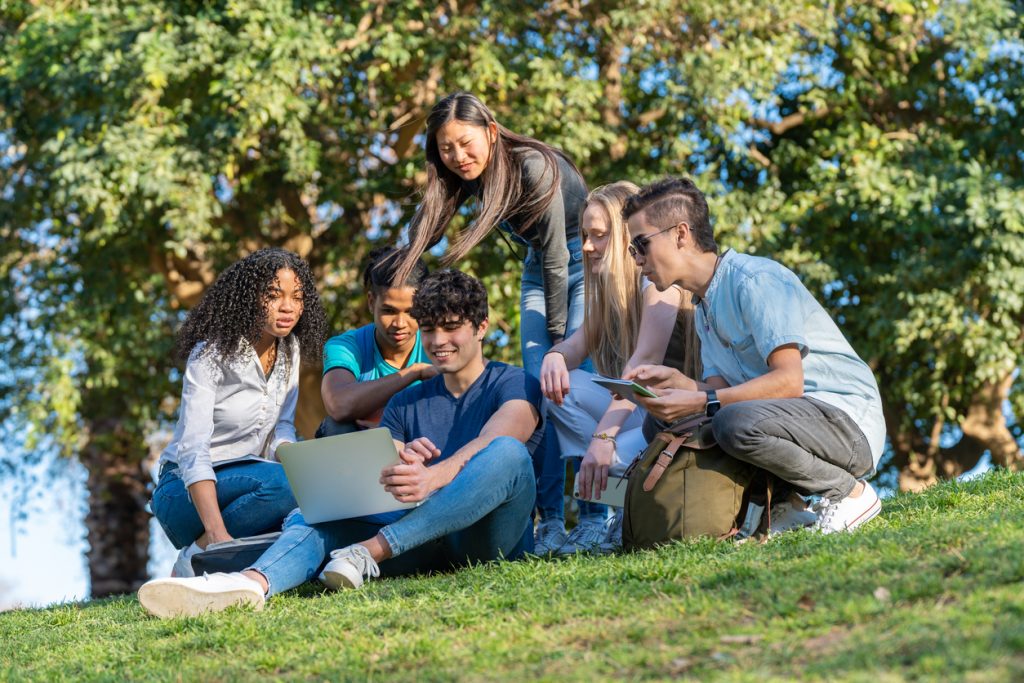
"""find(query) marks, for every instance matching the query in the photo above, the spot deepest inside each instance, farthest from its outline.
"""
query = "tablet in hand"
(624, 387)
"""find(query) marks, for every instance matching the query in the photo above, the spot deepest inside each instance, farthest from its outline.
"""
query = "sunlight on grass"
(929, 590)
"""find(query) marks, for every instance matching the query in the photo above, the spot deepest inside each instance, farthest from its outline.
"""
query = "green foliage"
(929, 590)
(872, 146)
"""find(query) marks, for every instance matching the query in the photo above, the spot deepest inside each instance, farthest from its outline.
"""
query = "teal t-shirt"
(357, 352)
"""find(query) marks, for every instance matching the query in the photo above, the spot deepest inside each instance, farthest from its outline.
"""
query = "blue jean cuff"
(393, 543)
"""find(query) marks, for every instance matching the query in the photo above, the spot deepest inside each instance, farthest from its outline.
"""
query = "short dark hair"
(675, 199)
(449, 293)
(381, 266)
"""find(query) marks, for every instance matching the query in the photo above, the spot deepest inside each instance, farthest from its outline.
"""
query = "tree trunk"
(984, 429)
(117, 522)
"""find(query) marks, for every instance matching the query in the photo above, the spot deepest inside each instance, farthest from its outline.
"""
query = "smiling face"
(596, 232)
(284, 301)
(394, 328)
(454, 345)
(465, 148)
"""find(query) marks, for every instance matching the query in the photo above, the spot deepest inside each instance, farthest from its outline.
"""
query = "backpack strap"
(663, 461)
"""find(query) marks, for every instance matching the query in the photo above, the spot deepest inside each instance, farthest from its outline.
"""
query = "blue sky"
(43, 560)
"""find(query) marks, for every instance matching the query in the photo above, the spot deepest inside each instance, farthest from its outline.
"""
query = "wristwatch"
(713, 405)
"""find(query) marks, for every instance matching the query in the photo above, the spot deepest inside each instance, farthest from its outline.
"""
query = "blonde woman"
(627, 322)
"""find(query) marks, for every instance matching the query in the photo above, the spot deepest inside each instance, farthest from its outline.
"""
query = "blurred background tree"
(874, 147)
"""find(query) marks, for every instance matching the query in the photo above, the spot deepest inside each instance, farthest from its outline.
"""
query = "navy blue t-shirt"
(429, 409)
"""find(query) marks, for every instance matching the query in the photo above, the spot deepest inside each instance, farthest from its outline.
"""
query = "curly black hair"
(234, 308)
(447, 294)
(381, 266)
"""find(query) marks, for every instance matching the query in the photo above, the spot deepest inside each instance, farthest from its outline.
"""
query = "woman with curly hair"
(531, 193)
(218, 476)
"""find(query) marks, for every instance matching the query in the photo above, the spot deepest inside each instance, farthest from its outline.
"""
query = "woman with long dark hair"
(218, 476)
(532, 193)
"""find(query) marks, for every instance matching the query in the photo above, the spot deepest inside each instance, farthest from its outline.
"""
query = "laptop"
(338, 477)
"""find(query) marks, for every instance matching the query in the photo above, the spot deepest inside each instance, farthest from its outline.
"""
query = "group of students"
(623, 281)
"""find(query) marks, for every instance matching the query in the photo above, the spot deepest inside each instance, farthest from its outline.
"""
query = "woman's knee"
(294, 519)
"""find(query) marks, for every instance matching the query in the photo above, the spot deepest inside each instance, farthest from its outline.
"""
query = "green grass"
(932, 589)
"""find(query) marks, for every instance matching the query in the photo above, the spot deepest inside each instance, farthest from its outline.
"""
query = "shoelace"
(358, 555)
(586, 535)
(613, 529)
(825, 509)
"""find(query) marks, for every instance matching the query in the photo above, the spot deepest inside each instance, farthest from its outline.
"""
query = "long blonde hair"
(614, 297)
(613, 300)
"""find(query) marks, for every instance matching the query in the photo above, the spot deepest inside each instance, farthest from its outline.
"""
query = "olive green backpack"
(682, 486)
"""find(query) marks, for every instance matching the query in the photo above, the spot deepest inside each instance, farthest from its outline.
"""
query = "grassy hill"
(932, 589)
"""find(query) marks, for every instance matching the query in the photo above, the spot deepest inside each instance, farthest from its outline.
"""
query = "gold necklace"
(271, 358)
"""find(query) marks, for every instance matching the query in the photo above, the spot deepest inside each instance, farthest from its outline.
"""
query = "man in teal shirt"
(365, 367)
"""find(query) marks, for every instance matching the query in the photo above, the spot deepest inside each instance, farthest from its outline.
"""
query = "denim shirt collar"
(715, 278)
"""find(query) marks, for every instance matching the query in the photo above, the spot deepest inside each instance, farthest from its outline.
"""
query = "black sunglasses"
(638, 245)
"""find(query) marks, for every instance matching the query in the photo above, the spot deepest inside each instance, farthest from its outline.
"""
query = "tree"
(149, 144)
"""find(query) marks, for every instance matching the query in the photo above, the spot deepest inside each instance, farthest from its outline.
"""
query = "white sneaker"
(182, 568)
(787, 515)
(348, 566)
(189, 597)
(587, 537)
(550, 536)
(847, 514)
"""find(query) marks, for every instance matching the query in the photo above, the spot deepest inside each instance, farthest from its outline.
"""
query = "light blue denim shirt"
(752, 307)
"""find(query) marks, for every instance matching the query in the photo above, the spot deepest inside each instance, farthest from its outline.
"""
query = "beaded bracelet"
(603, 436)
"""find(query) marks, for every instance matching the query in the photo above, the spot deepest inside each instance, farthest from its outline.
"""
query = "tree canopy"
(874, 147)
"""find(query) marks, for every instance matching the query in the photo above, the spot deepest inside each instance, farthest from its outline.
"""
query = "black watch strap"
(713, 405)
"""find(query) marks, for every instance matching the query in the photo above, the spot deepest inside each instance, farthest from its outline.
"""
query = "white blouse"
(232, 411)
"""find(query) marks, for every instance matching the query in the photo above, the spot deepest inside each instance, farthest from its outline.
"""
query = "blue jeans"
(548, 463)
(535, 342)
(254, 498)
(482, 515)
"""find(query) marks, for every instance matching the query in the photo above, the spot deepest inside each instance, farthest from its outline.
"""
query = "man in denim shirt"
(787, 391)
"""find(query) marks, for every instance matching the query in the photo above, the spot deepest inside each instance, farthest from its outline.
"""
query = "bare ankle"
(379, 548)
(258, 578)
(858, 489)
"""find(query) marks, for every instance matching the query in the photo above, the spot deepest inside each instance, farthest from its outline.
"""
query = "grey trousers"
(815, 447)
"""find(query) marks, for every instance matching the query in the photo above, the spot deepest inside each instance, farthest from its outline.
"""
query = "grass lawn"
(930, 590)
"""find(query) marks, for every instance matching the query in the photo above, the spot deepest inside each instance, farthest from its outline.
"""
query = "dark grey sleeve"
(550, 243)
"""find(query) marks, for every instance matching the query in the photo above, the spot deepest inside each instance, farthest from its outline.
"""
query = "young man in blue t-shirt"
(463, 439)
(365, 367)
(785, 388)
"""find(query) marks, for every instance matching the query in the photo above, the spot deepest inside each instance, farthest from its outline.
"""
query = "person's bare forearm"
(347, 402)
(204, 497)
(572, 349)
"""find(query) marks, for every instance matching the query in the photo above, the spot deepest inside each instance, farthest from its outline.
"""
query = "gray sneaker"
(348, 566)
(588, 536)
(613, 538)
(550, 536)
